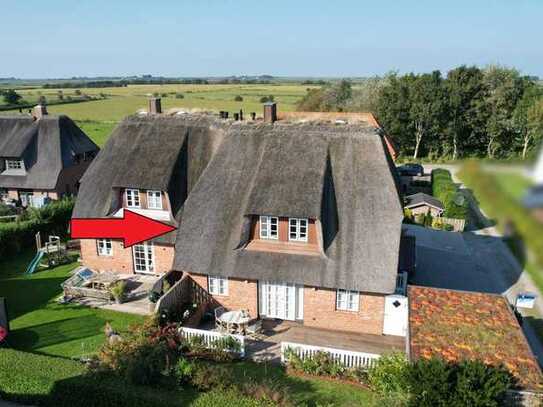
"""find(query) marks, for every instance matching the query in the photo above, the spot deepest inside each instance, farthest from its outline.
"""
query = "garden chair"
(221, 326)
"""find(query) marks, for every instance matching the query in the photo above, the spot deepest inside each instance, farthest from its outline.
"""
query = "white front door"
(396, 315)
(280, 300)
(144, 258)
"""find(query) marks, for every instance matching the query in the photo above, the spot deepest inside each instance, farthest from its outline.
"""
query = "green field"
(97, 118)
(124, 101)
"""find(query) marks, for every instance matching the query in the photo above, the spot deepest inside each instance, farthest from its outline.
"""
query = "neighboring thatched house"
(421, 203)
(288, 220)
(41, 157)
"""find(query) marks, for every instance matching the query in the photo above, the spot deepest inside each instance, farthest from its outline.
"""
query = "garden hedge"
(444, 189)
(52, 219)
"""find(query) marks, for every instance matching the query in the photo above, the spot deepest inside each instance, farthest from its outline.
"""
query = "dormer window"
(269, 227)
(154, 199)
(297, 229)
(15, 165)
(133, 198)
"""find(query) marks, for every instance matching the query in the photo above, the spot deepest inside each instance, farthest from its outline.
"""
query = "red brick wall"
(242, 294)
(14, 193)
(320, 312)
(319, 306)
(122, 260)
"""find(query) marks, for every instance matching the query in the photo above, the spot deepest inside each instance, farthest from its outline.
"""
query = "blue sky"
(63, 38)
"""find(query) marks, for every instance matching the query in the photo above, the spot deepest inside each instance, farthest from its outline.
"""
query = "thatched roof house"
(35, 153)
(219, 174)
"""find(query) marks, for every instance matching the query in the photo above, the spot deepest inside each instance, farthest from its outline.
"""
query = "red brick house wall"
(319, 306)
(122, 260)
(242, 294)
(320, 312)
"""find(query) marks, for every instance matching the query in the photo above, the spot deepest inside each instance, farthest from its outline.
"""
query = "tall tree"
(525, 116)
(465, 91)
(503, 88)
(393, 109)
(428, 108)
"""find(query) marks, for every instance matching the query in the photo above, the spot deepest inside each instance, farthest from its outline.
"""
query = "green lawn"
(41, 325)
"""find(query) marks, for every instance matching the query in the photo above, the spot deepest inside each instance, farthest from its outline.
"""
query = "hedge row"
(52, 219)
(503, 208)
(444, 189)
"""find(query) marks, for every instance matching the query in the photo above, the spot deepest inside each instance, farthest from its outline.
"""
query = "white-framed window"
(217, 285)
(15, 165)
(269, 227)
(347, 300)
(144, 259)
(154, 199)
(133, 198)
(105, 247)
(297, 229)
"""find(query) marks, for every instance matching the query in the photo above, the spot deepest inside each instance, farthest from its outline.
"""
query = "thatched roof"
(153, 152)
(340, 175)
(224, 171)
(47, 146)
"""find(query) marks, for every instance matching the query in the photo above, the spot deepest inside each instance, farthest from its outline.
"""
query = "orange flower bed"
(456, 325)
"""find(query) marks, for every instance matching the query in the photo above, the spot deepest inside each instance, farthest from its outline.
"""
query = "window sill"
(276, 246)
(346, 311)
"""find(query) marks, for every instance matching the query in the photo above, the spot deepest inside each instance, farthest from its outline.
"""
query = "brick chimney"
(39, 111)
(155, 106)
(270, 112)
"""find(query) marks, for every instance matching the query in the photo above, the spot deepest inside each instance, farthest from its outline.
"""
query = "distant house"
(41, 157)
(421, 203)
(458, 325)
(292, 221)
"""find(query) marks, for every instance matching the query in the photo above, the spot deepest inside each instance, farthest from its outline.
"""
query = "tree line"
(471, 112)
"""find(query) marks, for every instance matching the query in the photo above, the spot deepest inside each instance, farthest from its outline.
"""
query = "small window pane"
(133, 198)
(269, 227)
(154, 199)
(217, 285)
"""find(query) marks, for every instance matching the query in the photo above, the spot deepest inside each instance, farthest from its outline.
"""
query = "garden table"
(236, 321)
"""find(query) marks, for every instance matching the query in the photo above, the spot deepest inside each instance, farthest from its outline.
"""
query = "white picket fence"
(345, 357)
(210, 337)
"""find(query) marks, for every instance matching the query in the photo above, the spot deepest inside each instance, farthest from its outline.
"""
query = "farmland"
(98, 117)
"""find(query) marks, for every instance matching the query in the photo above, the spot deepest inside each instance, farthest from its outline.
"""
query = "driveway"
(463, 261)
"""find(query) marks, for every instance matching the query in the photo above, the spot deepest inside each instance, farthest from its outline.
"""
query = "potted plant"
(118, 291)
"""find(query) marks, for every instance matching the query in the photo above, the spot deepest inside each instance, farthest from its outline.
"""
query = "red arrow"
(132, 228)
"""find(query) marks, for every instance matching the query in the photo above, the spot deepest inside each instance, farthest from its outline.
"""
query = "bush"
(145, 352)
(430, 383)
(434, 382)
(238, 98)
(184, 370)
(444, 189)
(479, 385)
(179, 96)
(265, 99)
(118, 290)
(320, 364)
(207, 376)
(389, 377)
